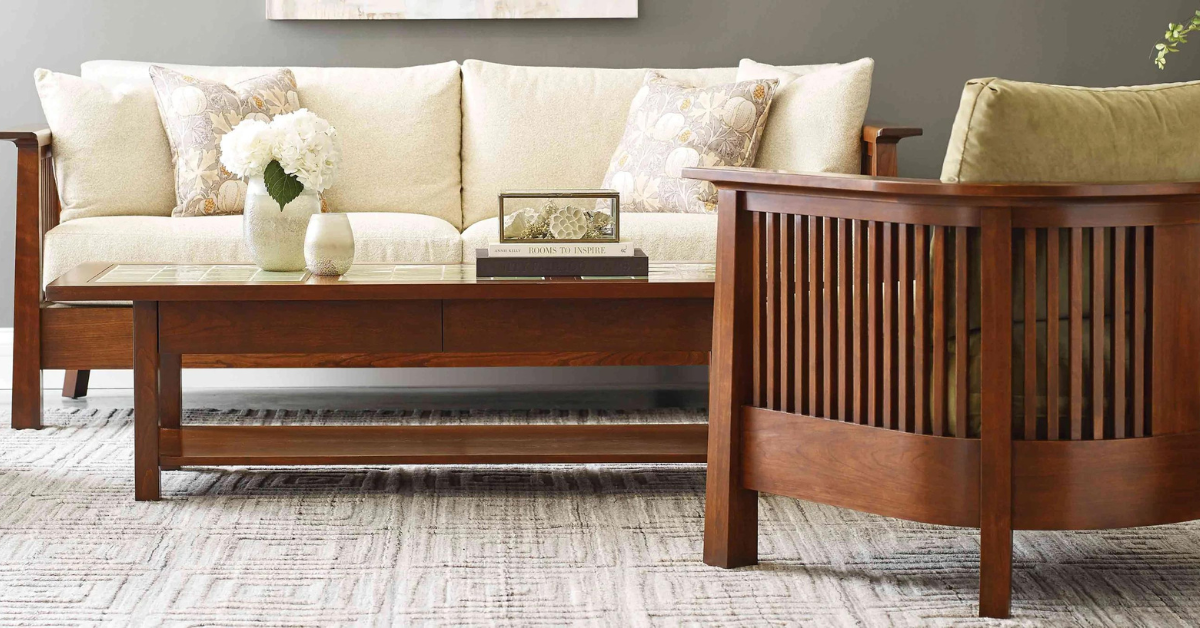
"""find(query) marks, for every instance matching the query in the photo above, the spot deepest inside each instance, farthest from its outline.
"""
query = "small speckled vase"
(276, 237)
(329, 245)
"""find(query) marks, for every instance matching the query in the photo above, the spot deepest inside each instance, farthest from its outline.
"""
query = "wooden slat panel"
(816, 318)
(904, 326)
(844, 325)
(1098, 317)
(803, 367)
(759, 295)
(1053, 368)
(1119, 364)
(890, 358)
(915, 477)
(1139, 332)
(1031, 366)
(859, 315)
(1076, 331)
(829, 287)
(772, 348)
(787, 295)
(874, 322)
(938, 345)
(920, 330)
(962, 335)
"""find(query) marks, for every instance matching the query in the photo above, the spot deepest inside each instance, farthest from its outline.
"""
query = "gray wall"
(924, 49)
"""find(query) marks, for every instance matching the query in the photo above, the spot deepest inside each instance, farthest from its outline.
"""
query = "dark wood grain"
(1175, 330)
(1119, 350)
(573, 325)
(963, 287)
(938, 397)
(787, 305)
(1098, 319)
(1096, 484)
(890, 328)
(996, 501)
(875, 287)
(1029, 274)
(1140, 361)
(434, 444)
(860, 288)
(917, 477)
(730, 509)
(758, 256)
(27, 287)
(1076, 333)
(920, 322)
(772, 338)
(145, 401)
(1054, 424)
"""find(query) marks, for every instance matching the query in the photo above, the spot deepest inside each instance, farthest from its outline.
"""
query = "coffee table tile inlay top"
(395, 315)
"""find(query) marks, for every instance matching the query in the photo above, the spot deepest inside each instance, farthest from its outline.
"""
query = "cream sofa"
(426, 151)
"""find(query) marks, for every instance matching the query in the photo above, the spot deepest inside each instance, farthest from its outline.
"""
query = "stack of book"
(605, 259)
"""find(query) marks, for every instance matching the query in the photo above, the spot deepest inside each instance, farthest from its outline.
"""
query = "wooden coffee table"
(434, 312)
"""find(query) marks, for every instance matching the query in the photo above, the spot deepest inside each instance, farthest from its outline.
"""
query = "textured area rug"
(544, 545)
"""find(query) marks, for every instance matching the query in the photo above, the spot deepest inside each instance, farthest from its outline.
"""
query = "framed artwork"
(448, 9)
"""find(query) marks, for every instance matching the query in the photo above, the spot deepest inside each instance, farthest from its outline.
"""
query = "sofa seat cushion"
(663, 237)
(378, 238)
(400, 128)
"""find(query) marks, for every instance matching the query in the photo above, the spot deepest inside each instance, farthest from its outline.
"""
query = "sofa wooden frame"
(826, 391)
(81, 338)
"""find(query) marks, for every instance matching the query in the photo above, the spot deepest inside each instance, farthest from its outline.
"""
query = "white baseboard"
(496, 378)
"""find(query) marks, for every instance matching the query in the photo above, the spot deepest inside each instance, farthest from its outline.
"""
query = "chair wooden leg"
(75, 384)
(730, 511)
(995, 478)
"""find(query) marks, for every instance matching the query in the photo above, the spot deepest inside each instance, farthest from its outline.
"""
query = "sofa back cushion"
(1014, 132)
(108, 160)
(400, 129)
(816, 119)
(547, 128)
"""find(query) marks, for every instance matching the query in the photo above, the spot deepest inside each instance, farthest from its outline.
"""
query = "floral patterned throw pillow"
(196, 114)
(671, 127)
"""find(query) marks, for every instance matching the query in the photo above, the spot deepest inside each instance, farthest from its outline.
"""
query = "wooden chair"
(837, 377)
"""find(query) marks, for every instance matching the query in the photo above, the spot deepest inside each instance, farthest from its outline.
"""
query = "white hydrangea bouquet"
(293, 152)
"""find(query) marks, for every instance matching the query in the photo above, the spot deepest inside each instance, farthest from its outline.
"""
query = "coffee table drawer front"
(300, 327)
(516, 325)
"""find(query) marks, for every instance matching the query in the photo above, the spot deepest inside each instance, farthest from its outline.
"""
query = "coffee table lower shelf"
(434, 444)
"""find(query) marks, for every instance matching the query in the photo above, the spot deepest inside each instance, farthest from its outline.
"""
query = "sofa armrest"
(33, 133)
(879, 157)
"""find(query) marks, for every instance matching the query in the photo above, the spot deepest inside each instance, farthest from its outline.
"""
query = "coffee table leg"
(146, 361)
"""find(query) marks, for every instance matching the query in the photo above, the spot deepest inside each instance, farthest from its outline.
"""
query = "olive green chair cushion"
(1015, 132)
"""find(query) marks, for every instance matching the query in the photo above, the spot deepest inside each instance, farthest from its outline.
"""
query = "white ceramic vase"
(329, 245)
(275, 236)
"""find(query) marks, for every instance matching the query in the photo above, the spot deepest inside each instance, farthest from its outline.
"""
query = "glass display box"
(565, 216)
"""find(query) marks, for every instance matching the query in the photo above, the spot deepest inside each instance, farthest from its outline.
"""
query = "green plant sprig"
(282, 187)
(1176, 34)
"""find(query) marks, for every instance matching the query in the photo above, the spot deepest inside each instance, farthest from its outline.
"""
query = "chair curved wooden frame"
(838, 302)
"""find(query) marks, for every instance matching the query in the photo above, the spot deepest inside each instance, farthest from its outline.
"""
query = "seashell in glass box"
(543, 216)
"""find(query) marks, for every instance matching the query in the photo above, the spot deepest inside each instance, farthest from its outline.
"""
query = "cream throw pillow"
(107, 160)
(196, 114)
(671, 127)
(816, 120)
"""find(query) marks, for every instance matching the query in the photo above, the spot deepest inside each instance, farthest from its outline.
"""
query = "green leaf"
(282, 187)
